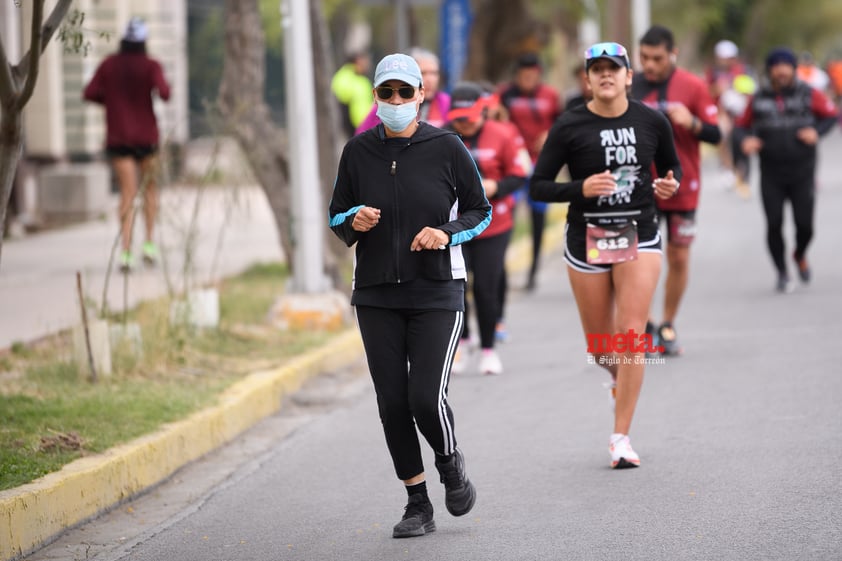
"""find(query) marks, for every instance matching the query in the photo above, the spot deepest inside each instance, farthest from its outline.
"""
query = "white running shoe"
(622, 455)
(489, 362)
(463, 355)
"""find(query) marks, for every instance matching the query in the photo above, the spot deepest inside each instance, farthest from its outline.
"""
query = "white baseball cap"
(726, 49)
(136, 31)
(398, 66)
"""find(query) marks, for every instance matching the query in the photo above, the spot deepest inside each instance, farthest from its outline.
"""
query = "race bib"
(615, 244)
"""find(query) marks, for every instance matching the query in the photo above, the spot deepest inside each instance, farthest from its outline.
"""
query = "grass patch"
(50, 414)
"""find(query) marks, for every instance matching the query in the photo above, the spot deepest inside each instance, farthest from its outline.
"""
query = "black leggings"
(799, 189)
(539, 222)
(409, 354)
(742, 164)
(486, 259)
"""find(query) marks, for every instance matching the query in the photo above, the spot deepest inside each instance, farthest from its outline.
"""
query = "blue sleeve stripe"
(338, 219)
(467, 235)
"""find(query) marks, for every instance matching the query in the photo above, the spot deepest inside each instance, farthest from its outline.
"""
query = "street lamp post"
(308, 219)
(309, 302)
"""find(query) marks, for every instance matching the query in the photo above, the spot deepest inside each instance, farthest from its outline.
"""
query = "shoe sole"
(425, 529)
(467, 508)
(623, 463)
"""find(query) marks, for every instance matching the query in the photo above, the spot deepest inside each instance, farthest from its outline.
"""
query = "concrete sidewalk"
(38, 296)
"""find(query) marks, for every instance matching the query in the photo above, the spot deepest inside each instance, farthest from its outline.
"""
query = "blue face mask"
(397, 117)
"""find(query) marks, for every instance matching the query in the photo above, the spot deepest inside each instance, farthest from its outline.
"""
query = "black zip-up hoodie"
(428, 179)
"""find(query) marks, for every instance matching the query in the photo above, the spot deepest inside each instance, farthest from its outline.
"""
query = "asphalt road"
(740, 438)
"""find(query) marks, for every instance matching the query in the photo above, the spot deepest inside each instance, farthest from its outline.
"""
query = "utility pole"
(641, 20)
(402, 25)
(308, 218)
(308, 302)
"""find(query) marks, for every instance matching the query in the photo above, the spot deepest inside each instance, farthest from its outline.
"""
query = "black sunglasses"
(386, 92)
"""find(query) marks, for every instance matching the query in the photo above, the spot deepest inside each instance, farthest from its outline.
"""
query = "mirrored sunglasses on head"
(386, 92)
(606, 49)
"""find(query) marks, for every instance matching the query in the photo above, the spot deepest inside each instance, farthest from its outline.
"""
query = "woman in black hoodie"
(407, 194)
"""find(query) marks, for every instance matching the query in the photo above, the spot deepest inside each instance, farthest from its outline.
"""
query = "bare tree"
(242, 104)
(17, 83)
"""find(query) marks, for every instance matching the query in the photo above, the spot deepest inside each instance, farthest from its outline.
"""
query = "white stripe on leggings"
(446, 426)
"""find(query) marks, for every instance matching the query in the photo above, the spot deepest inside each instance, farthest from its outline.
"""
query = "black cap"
(464, 101)
(465, 94)
(779, 55)
(528, 60)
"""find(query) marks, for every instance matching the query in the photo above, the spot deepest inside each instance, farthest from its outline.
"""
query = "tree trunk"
(16, 86)
(502, 30)
(244, 110)
(10, 152)
(330, 137)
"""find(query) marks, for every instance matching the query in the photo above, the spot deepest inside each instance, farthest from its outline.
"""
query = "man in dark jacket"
(783, 123)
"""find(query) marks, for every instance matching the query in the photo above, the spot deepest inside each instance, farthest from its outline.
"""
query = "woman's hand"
(599, 185)
(490, 186)
(430, 238)
(665, 187)
(751, 145)
(366, 219)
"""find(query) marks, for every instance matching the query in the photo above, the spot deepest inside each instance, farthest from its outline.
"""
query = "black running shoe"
(803, 268)
(784, 284)
(417, 519)
(653, 332)
(460, 494)
(668, 339)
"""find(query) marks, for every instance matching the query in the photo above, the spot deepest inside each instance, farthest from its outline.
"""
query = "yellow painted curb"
(31, 515)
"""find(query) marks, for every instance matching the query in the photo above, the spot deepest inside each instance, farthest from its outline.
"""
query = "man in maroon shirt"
(685, 99)
(124, 83)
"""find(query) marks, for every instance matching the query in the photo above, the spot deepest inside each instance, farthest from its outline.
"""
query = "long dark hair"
(132, 47)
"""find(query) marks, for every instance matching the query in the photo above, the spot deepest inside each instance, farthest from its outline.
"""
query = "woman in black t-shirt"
(612, 247)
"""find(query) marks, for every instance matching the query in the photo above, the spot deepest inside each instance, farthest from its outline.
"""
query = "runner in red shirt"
(684, 99)
(498, 151)
(125, 84)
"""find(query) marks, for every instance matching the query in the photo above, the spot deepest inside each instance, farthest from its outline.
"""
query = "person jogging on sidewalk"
(497, 150)
(407, 195)
(124, 83)
(612, 242)
(783, 123)
(684, 99)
